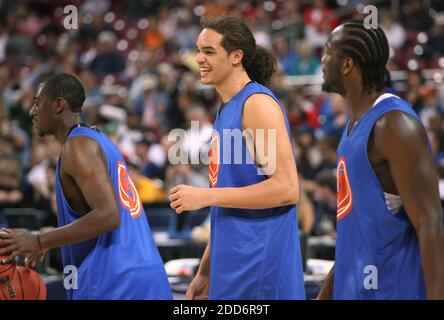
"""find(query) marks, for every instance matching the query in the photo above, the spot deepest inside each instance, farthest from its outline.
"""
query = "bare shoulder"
(397, 130)
(80, 151)
(399, 123)
(260, 109)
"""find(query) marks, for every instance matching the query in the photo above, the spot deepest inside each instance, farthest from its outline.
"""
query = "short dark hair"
(369, 49)
(258, 62)
(68, 87)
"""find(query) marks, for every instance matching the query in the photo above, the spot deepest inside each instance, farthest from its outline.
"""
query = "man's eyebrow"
(207, 48)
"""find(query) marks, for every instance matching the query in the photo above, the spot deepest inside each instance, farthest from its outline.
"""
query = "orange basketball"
(7, 273)
(18, 283)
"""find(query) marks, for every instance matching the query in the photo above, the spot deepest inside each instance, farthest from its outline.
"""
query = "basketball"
(18, 283)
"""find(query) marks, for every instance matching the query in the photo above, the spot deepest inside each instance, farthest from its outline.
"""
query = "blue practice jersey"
(255, 254)
(377, 251)
(123, 263)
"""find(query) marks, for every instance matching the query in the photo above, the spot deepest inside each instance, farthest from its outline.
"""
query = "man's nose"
(199, 58)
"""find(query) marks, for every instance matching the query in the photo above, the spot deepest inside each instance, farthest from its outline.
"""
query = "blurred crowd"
(136, 61)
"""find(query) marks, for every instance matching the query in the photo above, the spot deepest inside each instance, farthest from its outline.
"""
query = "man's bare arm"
(326, 292)
(261, 112)
(402, 141)
(84, 161)
(204, 267)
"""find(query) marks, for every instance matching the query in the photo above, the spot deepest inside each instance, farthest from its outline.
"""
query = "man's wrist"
(210, 196)
(42, 241)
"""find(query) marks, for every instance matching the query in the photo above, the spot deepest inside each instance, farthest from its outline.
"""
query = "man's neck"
(232, 85)
(360, 102)
(65, 125)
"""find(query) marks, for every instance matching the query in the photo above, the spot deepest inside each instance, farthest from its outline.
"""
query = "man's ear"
(59, 105)
(347, 66)
(237, 56)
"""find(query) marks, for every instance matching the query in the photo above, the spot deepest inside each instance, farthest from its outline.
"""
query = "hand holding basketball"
(31, 261)
(18, 244)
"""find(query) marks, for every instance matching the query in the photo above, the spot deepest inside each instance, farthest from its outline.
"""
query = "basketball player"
(103, 229)
(254, 250)
(390, 239)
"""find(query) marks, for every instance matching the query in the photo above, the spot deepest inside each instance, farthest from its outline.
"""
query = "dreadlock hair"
(259, 63)
(369, 49)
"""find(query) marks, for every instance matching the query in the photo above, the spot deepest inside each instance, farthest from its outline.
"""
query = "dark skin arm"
(412, 175)
(326, 292)
(199, 287)
(84, 170)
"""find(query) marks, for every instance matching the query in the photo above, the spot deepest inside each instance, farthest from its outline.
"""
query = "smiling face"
(214, 62)
(41, 113)
(332, 62)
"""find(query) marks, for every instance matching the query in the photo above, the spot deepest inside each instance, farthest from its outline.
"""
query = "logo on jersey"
(129, 198)
(344, 193)
(214, 159)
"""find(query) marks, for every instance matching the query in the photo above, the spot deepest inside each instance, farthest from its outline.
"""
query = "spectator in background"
(333, 115)
(415, 85)
(167, 23)
(301, 109)
(432, 111)
(150, 191)
(325, 197)
(152, 36)
(319, 22)
(186, 32)
(168, 86)
(306, 152)
(95, 6)
(51, 65)
(318, 12)
(290, 13)
(94, 97)
(308, 62)
(128, 134)
(317, 36)
(327, 146)
(41, 176)
(393, 30)
(184, 174)
(108, 60)
(148, 168)
(286, 57)
(151, 105)
(14, 192)
(417, 17)
(15, 141)
(196, 142)
(19, 47)
(434, 48)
